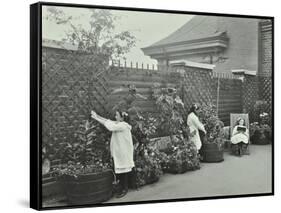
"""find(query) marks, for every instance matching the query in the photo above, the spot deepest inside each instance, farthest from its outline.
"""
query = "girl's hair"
(239, 119)
(193, 108)
(124, 115)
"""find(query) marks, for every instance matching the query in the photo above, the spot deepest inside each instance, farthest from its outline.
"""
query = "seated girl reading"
(240, 136)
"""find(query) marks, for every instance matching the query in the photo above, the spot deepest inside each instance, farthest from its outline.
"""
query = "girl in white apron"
(195, 125)
(121, 147)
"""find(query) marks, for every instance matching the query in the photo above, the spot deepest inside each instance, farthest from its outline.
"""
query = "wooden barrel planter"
(52, 189)
(211, 152)
(89, 188)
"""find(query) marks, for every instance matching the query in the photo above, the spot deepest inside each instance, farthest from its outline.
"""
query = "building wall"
(242, 52)
(266, 48)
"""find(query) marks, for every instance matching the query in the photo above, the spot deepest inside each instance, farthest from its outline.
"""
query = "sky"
(147, 27)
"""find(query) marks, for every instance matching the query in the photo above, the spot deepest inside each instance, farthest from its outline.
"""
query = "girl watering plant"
(121, 147)
(195, 125)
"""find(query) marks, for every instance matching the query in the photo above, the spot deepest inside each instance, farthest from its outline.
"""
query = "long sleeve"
(114, 127)
(198, 124)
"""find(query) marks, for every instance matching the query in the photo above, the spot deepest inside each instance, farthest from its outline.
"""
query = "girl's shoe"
(122, 194)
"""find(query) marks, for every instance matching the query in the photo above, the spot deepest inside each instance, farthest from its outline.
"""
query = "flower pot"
(52, 189)
(211, 152)
(89, 188)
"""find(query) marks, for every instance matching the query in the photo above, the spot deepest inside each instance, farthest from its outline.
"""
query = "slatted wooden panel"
(144, 80)
(194, 84)
(73, 83)
(230, 97)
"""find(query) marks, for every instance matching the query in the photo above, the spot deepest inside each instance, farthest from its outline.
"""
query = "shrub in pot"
(87, 174)
(181, 154)
(212, 143)
(260, 130)
(260, 134)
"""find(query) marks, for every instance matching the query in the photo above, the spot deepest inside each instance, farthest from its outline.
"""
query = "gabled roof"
(198, 27)
(201, 34)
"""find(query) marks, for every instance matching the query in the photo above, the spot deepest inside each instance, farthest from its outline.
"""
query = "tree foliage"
(98, 36)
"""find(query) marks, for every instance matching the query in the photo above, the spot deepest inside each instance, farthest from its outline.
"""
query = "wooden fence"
(73, 83)
(195, 85)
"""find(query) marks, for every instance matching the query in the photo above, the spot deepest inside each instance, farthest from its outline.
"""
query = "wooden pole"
(218, 95)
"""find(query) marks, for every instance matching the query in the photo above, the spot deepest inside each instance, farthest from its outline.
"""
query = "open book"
(241, 128)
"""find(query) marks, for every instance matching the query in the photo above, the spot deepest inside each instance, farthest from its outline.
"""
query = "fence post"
(218, 95)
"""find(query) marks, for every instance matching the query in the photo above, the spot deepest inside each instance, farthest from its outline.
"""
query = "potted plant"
(212, 143)
(181, 154)
(260, 130)
(87, 174)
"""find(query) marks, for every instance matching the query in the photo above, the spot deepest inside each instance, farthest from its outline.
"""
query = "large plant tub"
(211, 152)
(52, 189)
(89, 188)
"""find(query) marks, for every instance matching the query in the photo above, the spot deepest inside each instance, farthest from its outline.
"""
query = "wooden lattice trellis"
(197, 86)
(73, 83)
(250, 95)
(265, 90)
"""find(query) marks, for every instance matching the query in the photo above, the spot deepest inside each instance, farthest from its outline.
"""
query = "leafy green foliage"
(81, 155)
(98, 36)
(148, 167)
(261, 130)
(263, 116)
(213, 125)
(181, 154)
(172, 113)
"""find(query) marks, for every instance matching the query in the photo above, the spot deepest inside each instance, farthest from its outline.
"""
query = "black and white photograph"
(146, 105)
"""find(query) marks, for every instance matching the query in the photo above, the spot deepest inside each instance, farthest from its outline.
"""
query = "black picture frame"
(36, 104)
